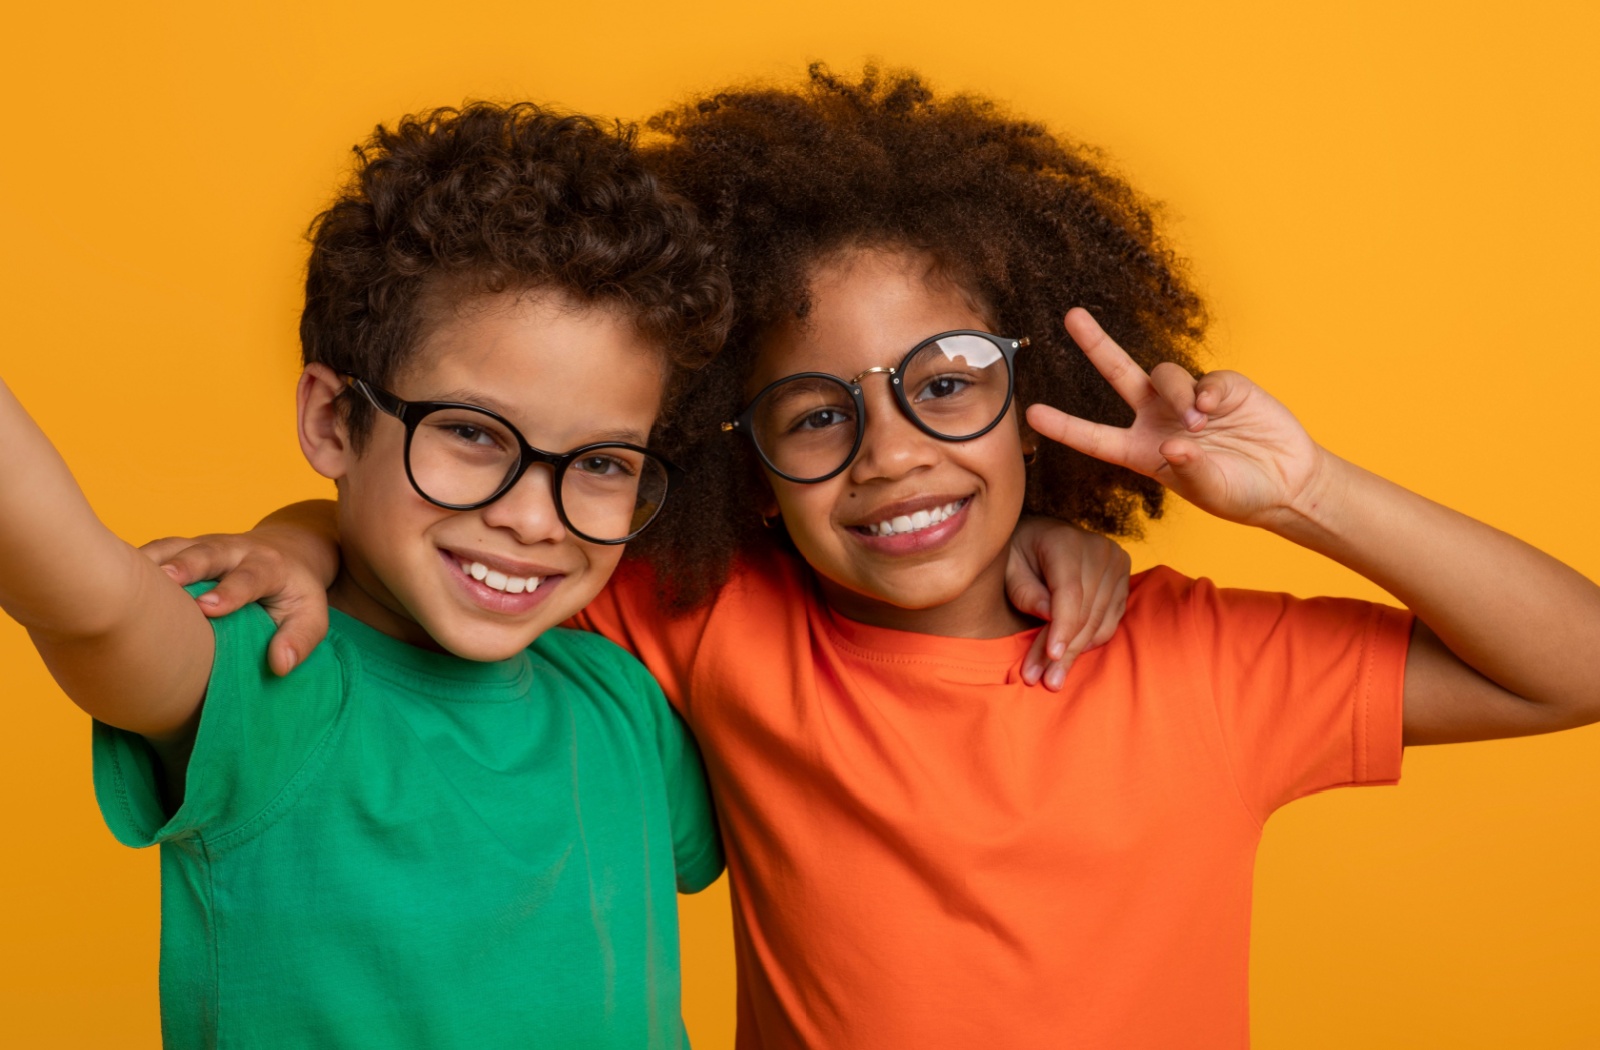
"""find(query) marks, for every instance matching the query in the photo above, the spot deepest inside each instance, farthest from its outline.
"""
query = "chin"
(482, 644)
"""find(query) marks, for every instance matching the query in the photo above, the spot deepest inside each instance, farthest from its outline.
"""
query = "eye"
(469, 434)
(821, 419)
(943, 386)
(602, 466)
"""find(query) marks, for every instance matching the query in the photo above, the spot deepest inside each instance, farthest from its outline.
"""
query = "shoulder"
(593, 663)
(1164, 594)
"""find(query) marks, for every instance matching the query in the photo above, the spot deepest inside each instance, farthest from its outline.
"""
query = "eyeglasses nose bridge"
(883, 369)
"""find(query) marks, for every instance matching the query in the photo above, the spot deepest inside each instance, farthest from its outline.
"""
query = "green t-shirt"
(396, 848)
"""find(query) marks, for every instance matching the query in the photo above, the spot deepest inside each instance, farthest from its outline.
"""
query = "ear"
(1026, 436)
(324, 437)
(769, 500)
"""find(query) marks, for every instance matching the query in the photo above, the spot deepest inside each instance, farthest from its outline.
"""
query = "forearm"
(123, 641)
(62, 573)
(1515, 615)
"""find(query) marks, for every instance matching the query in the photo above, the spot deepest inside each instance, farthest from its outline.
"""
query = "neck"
(980, 611)
(358, 594)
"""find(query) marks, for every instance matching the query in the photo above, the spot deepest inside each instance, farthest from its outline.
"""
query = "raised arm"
(1508, 639)
(122, 639)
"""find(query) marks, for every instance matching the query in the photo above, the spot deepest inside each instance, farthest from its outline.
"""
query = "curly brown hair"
(488, 198)
(1027, 223)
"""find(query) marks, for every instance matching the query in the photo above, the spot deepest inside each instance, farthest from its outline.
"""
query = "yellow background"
(1393, 211)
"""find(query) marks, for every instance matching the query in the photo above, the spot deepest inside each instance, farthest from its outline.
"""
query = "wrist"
(301, 544)
(1312, 515)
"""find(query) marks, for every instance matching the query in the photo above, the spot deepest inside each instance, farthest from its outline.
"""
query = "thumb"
(1186, 459)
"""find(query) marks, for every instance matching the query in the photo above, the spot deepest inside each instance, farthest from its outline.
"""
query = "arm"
(1075, 580)
(1508, 638)
(124, 642)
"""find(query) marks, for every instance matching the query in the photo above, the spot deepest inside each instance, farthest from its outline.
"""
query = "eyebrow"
(477, 400)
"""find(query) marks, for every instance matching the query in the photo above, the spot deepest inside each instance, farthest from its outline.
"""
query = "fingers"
(1216, 393)
(1105, 602)
(301, 628)
(1037, 663)
(160, 550)
(1109, 359)
(1115, 609)
(1192, 470)
(1177, 387)
(250, 581)
(189, 561)
(1112, 444)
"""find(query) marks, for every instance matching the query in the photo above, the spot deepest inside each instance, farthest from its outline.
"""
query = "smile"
(907, 523)
(498, 581)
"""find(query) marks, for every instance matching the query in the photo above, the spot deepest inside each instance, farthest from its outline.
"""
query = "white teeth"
(499, 580)
(916, 522)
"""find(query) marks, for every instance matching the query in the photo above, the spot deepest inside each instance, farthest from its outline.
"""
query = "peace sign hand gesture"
(1220, 442)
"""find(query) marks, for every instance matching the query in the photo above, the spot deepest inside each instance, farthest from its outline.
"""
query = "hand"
(274, 565)
(1076, 580)
(1220, 442)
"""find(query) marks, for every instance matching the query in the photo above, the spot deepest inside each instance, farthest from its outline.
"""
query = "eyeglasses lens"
(461, 457)
(957, 386)
(806, 426)
(612, 491)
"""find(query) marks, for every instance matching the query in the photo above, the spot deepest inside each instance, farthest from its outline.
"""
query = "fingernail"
(1058, 650)
(1042, 610)
(289, 660)
(1194, 419)
(170, 570)
(209, 598)
(1057, 676)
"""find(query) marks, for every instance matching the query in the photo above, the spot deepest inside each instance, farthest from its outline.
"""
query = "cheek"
(805, 510)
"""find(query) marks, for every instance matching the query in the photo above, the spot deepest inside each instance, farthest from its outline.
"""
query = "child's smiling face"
(868, 308)
(565, 374)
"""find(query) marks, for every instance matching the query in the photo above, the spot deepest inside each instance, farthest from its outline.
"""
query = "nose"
(528, 509)
(892, 446)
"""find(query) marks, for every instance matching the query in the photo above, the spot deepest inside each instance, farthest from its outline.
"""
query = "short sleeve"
(257, 743)
(628, 612)
(696, 844)
(1309, 692)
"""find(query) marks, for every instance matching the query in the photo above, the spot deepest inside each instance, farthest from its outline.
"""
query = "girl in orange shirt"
(925, 849)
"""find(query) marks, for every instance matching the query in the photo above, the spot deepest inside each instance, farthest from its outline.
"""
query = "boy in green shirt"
(456, 824)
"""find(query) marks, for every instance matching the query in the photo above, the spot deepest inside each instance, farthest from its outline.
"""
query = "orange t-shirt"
(926, 852)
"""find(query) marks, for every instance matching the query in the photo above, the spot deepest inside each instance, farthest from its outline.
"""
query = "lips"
(913, 526)
(915, 521)
(911, 516)
(500, 585)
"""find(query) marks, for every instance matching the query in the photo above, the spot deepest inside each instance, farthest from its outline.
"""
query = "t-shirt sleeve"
(696, 843)
(1309, 692)
(629, 613)
(258, 742)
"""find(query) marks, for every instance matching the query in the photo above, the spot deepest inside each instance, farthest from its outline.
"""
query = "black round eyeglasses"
(954, 386)
(462, 457)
